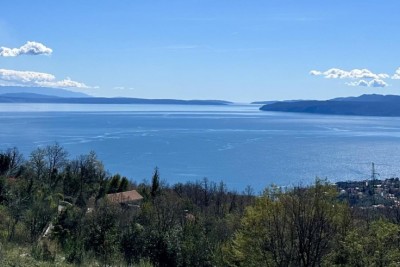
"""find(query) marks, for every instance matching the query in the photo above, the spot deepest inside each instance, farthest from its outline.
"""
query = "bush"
(42, 252)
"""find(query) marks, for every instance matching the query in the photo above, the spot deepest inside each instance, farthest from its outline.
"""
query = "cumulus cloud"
(315, 72)
(372, 83)
(30, 48)
(25, 76)
(396, 76)
(360, 77)
(335, 73)
(358, 83)
(66, 83)
(377, 83)
(33, 78)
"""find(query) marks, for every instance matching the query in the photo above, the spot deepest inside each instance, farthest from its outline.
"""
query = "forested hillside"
(58, 210)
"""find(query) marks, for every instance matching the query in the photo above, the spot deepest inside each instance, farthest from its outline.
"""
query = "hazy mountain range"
(364, 105)
(16, 94)
(44, 91)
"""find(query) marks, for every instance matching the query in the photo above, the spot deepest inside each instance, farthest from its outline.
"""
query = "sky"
(237, 50)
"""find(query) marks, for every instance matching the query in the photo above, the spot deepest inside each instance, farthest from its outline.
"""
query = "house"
(128, 198)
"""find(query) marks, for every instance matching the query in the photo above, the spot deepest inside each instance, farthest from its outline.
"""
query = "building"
(128, 198)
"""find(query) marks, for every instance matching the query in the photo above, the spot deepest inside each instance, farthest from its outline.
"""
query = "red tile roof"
(128, 196)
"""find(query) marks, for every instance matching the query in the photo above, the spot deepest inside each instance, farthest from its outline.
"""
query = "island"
(364, 105)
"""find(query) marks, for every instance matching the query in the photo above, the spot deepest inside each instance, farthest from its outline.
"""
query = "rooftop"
(123, 197)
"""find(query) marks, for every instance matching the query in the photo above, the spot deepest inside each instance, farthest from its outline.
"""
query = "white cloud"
(30, 48)
(66, 83)
(377, 83)
(358, 83)
(33, 78)
(335, 73)
(362, 83)
(372, 83)
(396, 76)
(315, 72)
(360, 77)
(25, 76)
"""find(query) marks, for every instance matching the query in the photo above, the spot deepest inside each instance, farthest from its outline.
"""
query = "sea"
(236, 144)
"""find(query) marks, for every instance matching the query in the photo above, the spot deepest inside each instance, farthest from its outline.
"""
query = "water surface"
(237, 144)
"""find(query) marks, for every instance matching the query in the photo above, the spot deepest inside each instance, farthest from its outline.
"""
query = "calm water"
(237, 144)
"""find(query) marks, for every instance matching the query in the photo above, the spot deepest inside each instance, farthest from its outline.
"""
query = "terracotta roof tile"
(123, 197)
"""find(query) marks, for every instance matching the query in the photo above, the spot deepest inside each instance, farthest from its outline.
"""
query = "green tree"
(375, 245)
(295, 228)
(155, 184)
(17, 202)
(123, 185)
(68, 233)
(101, 232)
(114, 183)
(40, 213)
(197, 249)
(133, 243)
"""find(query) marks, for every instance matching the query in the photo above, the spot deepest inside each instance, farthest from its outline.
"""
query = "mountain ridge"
(48, 91)
(16, 94)
(364, 105)
(29, 98)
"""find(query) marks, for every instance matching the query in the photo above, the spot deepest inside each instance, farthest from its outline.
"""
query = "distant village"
(371, 193)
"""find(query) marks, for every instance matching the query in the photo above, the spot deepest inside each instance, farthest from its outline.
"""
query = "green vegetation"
(56, 211)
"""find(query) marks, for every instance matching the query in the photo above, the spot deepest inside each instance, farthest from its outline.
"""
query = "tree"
(4, 163)
(295, 228)
(71, 181)
(56, 157)
(3, 189)
(133, 243)
(375, 245)
(10, 162)
(37, 163)
(84, 177)
(123, 185)
(101, 231)
(68, 232)
(114, 184)
(155, 184)
(196, 248)
(17, 202)
(41, 211)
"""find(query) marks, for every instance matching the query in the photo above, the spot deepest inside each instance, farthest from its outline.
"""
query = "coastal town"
(372, 193)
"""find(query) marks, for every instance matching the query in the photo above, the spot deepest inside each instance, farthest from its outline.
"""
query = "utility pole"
(373, 174)
(373, 180)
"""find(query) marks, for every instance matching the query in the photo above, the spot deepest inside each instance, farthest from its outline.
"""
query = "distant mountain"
(364, 105)
(57, 92)
(18, 94)
(369, 98)
(37, 98)
(26, 95)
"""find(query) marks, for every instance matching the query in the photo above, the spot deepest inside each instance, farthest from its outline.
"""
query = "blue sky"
(206, 49)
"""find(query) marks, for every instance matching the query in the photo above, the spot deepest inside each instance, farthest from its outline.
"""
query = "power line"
(374, 174)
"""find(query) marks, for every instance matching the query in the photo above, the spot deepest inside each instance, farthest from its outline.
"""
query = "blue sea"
(237, 144)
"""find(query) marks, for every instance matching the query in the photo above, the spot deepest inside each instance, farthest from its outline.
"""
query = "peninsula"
(364, 105)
